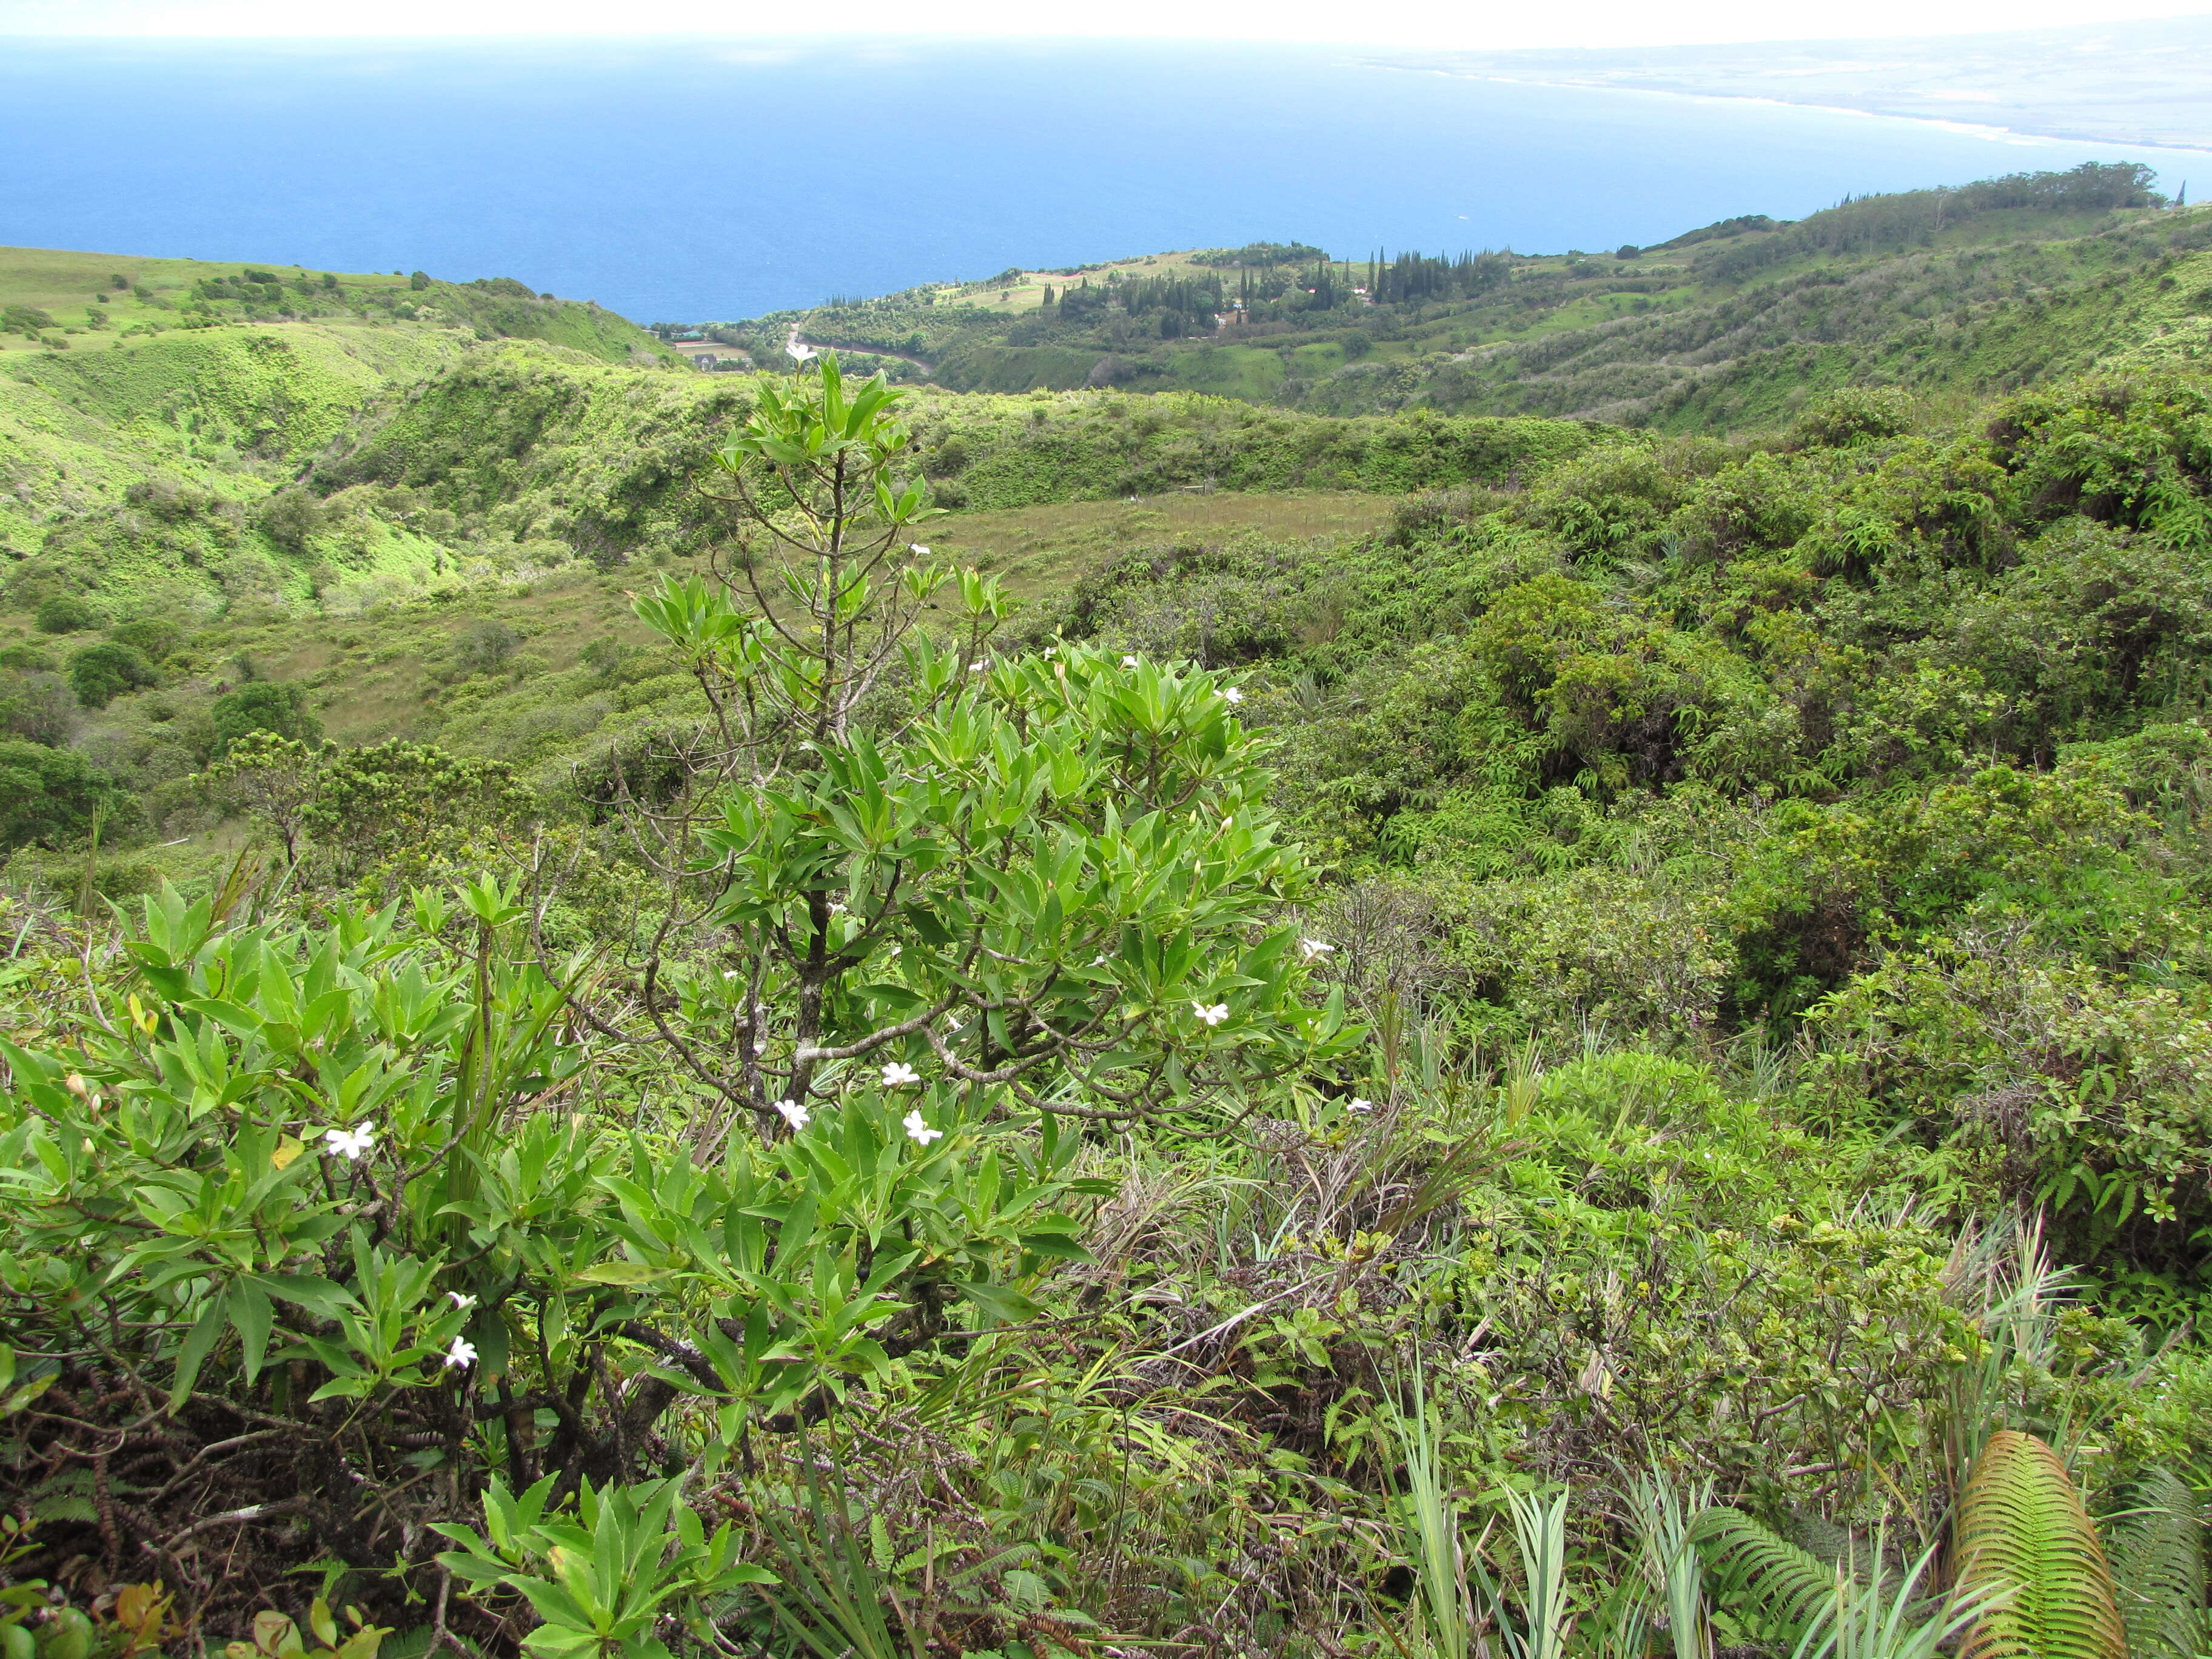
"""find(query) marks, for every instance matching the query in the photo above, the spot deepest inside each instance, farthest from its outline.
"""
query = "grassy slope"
(96, 301)
(187, 382)
(1702, 337)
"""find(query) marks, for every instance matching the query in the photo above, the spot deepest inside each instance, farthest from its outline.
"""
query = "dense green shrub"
(279, 707)
(100, 673)
(155, 638)
(49, 797)
(65, 613)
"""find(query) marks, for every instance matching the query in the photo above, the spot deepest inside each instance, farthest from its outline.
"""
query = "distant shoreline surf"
(2022, 136)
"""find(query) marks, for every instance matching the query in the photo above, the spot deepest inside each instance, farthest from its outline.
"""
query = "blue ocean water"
(688, 180)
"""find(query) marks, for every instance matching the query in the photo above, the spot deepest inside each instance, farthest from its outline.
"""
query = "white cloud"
(749, 27)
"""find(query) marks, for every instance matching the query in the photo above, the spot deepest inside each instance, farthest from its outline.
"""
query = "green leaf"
(317, 1295)
(1002, 1303)
(198, 1341)
(620, 1272)
(252, 1313)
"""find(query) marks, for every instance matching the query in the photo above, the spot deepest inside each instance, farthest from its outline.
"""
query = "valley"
(1272, 955)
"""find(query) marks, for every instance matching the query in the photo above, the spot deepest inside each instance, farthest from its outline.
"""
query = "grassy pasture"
(66, 285)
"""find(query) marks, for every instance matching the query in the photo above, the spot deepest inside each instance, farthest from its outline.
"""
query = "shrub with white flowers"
(923, 928)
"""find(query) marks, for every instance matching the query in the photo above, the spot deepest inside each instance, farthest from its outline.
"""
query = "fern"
(2024, 1538)
(2157, 1554)
(1775, 1588)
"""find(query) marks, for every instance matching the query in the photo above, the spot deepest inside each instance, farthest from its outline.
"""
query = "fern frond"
(1782, 1588)
(2024, 1536)
(2156, 1549)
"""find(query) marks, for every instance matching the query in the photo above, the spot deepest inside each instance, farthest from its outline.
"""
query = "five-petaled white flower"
(918, 1128)
(898, 1075)
(794, 1114)
(1359, 1105)
(1128, 662)
(349, 1144)
(919, 548)
(1052, 651)
(462, 1354)
(1213, 1015)
(797, 351)
(729, 973)
(1232, 696)
(979, 665)
(464, 1302)
(1313, 950)
(837, 909)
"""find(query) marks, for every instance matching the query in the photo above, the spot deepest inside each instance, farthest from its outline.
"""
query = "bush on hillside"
(100, 673)
(278, 707)
(48, 797)
(289, 518)
(65, 613)
(37, 707)
(155, 638)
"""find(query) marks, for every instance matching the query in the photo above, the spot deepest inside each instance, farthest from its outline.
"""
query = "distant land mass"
(2148, 81)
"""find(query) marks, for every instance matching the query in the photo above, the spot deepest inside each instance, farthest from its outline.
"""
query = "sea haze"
(676, 179)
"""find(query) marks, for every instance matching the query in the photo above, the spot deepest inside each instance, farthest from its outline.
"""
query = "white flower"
(1128, 662)
(837, 909)
(919, 548)
(1313, 950)
(794, 1114)
(919, 1130)
(979, 665)
(1232, 696)
(1212, 1016)
(898, 1075)
(464, 1302)
(462, 1354)
(1052, 651)
(1359, 1105)
(350, 1146)
(797, 351)
(1099, 960)
(729, 973)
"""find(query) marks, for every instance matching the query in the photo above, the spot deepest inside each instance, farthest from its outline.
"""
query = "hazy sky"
(1495, 24)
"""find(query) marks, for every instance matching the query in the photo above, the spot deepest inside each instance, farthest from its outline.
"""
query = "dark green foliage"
(2156, 1549)
(1773, 1587)
(278, 707)
(48, 797)
(37, 705)
(289, 518)
(65, 613)
(155, 638)
(100, 673)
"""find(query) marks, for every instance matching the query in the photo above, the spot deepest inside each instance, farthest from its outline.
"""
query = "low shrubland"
(1618, 1067)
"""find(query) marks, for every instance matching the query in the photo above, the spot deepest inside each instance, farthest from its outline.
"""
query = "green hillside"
(1970, 290)
(669, 1015)
(53, 300)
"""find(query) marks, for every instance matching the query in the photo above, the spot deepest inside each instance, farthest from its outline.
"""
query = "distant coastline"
(2140, 84)
(1995, 133)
